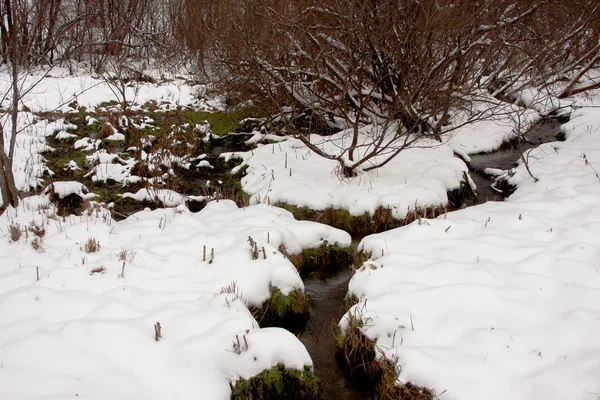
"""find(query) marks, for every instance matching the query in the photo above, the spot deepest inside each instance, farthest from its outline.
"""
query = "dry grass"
(37, 229)
(91, 246)
(98, 270)
(15, 232)
(106, 130)
(36, 243)
(232, 288)
(360, 355)
(126, 255)
(389, 389)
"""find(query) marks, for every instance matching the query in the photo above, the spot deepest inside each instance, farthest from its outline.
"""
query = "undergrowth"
(360, 356)
(321, 260)
(285, 311)
(361, 225)
(278, 383)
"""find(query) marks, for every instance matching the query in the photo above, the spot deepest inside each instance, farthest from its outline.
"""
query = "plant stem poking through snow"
(157, 331)
(587, 162)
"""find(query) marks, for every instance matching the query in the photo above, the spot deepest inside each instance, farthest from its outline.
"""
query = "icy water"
(327, 298)
(327, 295)
(547, 130)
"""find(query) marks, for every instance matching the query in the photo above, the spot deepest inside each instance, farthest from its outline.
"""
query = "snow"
(64, 135)
(501, 300)
(77, 332)
(168, 198)
(67, 188)
(57, 91)
(417, 177)
(490, 124)
(498, 301)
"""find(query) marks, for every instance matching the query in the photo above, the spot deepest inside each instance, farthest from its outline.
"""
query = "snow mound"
(493, 123)
(289, 172)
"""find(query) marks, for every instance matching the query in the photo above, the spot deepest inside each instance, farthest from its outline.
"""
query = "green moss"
(286, 311)
(278, 383)
(322, 260)
(221, 122)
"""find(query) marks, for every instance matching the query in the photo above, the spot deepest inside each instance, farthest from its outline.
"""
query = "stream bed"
(327, 300)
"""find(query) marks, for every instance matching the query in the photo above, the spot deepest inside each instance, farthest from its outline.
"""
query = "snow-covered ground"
(498, 301)
(57, 90)
(86, 328)
(502, 300)
(289, 172)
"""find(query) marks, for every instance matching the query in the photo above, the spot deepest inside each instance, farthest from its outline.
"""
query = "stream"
(327, 295)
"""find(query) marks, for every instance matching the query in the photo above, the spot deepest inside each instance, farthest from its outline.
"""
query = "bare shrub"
(405, 67)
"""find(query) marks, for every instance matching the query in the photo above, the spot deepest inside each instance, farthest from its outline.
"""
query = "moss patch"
(221, 122)
(323, 260)
(278, 383)
(290, 311)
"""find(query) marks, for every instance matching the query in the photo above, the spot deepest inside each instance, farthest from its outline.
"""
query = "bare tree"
(404, 67)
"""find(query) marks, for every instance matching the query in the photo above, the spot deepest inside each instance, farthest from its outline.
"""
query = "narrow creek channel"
(544, 131)
(328, 294)
(327, 299)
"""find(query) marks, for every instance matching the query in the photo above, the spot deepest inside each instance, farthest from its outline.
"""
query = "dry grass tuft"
(36, 243)
(389, 389)
(37, 229)
(91, 246)
(98, 270)
(15, 232)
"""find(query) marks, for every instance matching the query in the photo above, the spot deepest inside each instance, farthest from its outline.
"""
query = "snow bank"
(417, 177)
(86, 328)
(499, 301)
(492, 123)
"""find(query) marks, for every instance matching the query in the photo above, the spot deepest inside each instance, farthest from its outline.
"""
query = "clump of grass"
(361, 225)
(91, 246)
(278, 383)
(36, 243)
(126, 255)
(285, 311)
(232, 288)
(37, 229)
(359, 355)
(15, 232)
(389, 389)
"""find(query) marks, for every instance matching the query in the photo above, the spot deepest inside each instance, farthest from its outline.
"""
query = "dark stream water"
(327, 299)
(327, 295)
(547, 130)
